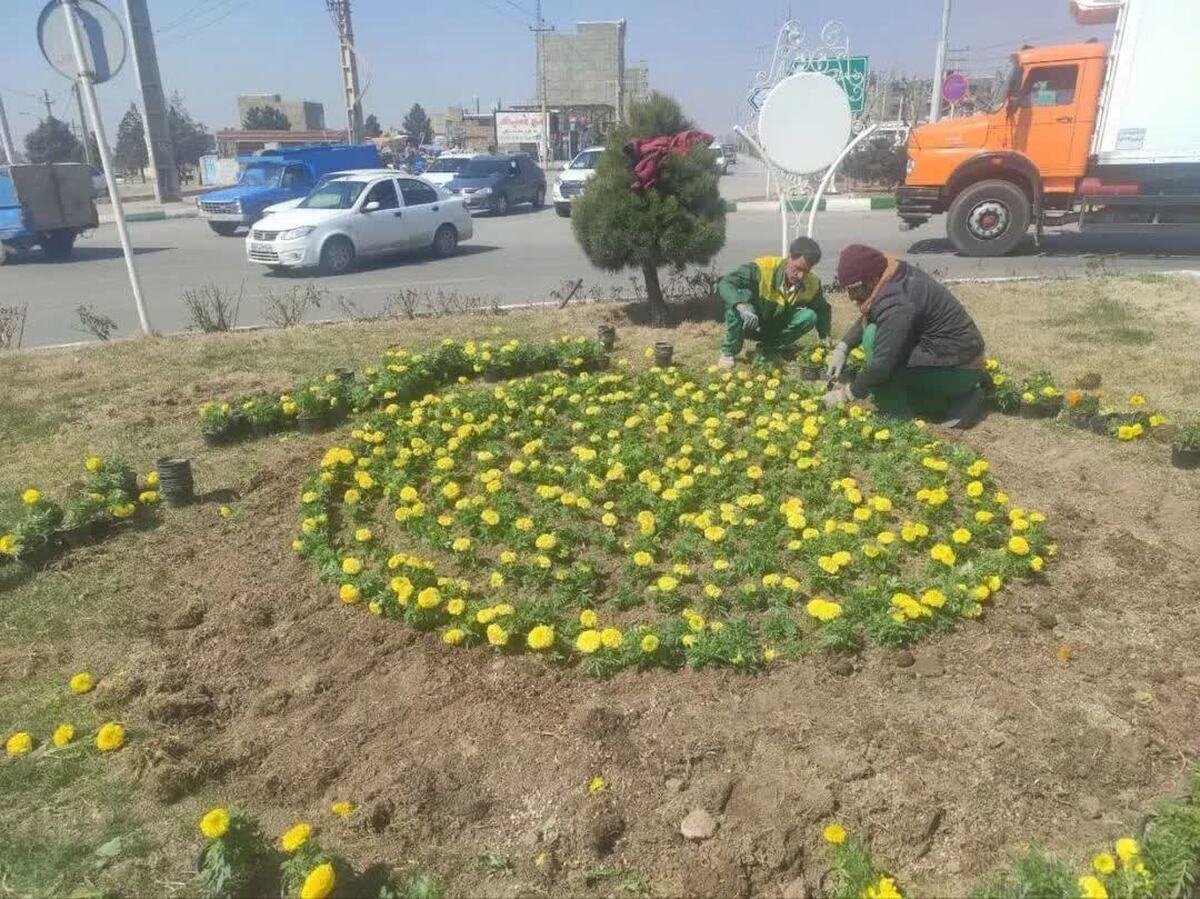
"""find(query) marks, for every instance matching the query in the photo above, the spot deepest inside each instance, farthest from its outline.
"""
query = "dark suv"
(497, 183)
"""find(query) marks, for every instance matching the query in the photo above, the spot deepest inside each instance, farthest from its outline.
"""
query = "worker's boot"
(966, 411)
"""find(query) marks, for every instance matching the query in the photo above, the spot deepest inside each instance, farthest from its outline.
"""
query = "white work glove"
(725, 363)
(748, 315)
(837, 361)
(838, 396)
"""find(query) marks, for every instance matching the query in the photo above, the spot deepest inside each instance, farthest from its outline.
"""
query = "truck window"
(295, 176)
(261, 174)
(1050, 86)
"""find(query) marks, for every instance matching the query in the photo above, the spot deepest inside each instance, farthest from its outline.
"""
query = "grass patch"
(1104, 319)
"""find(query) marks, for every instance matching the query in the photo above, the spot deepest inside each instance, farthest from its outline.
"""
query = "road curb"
(156, 215)
(828, 204)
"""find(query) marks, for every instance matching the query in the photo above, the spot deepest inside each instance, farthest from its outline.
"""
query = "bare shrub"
(211, 308)
(95, 323)
(288, 309)
(12, 326)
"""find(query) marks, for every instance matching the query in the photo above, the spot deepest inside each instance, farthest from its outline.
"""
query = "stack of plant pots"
(607, 335)
(663, 354)
(175, 481)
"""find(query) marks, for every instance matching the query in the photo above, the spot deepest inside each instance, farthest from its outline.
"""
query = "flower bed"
(660, 519)
(401, 376)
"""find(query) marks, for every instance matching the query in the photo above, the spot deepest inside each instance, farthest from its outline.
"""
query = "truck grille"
(265, 235)
(263, 254)
(219, 208)
(571, 188)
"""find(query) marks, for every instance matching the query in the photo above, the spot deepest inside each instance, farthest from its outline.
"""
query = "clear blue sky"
(441, 53)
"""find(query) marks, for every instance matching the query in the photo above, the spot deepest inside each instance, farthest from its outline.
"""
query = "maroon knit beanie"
(860, 263)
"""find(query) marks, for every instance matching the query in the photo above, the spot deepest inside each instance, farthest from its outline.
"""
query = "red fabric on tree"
(648, 154)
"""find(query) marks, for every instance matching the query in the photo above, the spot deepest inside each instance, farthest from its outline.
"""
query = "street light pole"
(89, 94)
(935, 95)
(10, 154)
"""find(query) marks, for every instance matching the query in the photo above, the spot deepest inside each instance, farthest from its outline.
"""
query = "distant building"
(302, 115)
(237, 142)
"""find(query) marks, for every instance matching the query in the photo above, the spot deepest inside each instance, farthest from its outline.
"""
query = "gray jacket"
(918, 324)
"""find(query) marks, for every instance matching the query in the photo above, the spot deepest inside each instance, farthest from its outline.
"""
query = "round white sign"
(100, 32)
(804, 123)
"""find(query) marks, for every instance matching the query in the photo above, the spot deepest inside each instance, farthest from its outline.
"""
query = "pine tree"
(265, 118)
(678, 222)
(417, 127)
(191, 139)
(52, 141)
(371, 126)
(130, 152)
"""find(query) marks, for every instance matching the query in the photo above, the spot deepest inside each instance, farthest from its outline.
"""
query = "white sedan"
(359, 215)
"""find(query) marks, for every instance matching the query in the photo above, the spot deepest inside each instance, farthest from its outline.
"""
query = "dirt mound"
(1057, 718)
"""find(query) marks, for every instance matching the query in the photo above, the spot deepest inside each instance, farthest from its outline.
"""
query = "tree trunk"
(654, 296)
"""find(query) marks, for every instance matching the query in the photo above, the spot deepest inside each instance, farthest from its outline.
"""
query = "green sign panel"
(848, 71)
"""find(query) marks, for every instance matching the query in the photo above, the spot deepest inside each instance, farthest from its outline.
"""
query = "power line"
(175, 38)
(499, 11)
(521, 9)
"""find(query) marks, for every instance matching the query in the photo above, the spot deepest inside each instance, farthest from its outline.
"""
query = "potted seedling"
(312, 409)
(1185, 450)
(265, 415)
(85, 520)
(1003, 394)
(607, 335)
(34, 535)
(1041, 397)
(1082, 409)
(814, 365)
(217, 423)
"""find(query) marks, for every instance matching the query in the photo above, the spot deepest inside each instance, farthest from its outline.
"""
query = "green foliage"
(1188, 435)
(190, 138)
(52, 141)
(228, 863)
(371, 127)
(265, 118)
(130, 151)
(854, 870)
(678, 222)
(879, 161)
(417, 127)
(1034, 875)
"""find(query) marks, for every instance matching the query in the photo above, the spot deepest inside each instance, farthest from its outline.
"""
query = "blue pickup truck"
(47, 206)
(276, 176)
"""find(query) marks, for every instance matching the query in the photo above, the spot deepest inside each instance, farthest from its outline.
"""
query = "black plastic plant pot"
(607, 335)
(1039, 409)
(310, 424)
(812, 372)
(1082, 422)
(175, 481)
(848, 375)
(219, 438)
(81, 535)
(491, 374)
(262, 429)
(345, 375)
(1185, 458)
(663, 354)
(1100, 424)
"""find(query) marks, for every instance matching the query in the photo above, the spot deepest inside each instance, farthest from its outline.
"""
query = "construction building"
(302, 115)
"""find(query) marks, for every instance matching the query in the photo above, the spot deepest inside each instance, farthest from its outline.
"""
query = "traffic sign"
(850, 72)
(955, 87)
(102, 37)
(804, 123)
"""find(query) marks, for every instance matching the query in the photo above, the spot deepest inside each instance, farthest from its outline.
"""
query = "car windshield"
(585, 160)
(1009, 87)
(334, 195)
(261, 174)
(453, 164)
(482, 168)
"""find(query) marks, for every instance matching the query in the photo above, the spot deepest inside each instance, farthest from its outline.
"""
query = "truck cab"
(276, 177)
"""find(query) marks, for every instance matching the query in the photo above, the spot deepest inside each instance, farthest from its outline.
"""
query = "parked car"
(358, 215)
(497, 183)
(570, 183)
(45, 205)
(445, 168)
(730, 153)
(274, 177)
(720, 162)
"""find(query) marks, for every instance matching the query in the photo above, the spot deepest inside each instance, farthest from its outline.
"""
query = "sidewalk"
(149, 211)
(827, 204)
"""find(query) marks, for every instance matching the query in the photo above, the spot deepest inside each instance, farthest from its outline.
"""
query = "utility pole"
(539, 30)
(47, 102)
(6, 144)
(160, 147)
(83, 128)
(939, 74)
(340, 10)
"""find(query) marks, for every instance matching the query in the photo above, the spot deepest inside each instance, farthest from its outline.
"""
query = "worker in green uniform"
(774, 299)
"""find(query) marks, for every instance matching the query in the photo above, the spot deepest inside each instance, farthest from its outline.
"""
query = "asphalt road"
(522, 258)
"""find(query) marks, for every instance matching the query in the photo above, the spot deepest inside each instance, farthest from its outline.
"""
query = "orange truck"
(1108, 140)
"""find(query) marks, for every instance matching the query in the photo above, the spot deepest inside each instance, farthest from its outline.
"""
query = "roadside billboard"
(520, 128)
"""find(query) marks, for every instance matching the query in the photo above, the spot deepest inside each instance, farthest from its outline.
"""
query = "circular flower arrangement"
(660, 518)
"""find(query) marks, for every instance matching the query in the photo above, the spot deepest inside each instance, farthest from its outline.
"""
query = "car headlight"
(484, 191)
(297, 233)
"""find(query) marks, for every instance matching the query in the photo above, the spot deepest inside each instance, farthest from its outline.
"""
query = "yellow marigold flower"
(523, 524)
(834, 834)
(882, 435)
(497, 635)
(319, 883)
(1092, 888)
(935, 599)
(351, 496)
(342, 809)
(1104, 863)
(454, 636)
(642, 559)
(295, 837)
(597, 785)
(546, 542)
(461, 544)
(63, 734)
(646, 522)
(983, 516)
(1037, 563)
(1137, 400)
(215, 823)
(975, 489)
(961, 536)
(82, 682)
(31, 496)
(111, 736)
(224, 511)
(93, 463)
(612, 638)
(667, 583)
(714, 533)
(429, 598)
(608, 520)
(588, 618)
(944, 554)
(885, 888)
(1127, 848)
(363, 535)
(842, 558)
(1018, 546)
(351, 565)
(823, 609)
(649, 643)
(8, 544)
(349, 593)
(19, 744)
(588, 641)
(540, 637)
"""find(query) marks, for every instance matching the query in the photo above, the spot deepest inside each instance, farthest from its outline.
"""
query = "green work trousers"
(781, 330)
(924, 392)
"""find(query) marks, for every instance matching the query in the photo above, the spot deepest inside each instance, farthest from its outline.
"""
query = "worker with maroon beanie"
(924, 354)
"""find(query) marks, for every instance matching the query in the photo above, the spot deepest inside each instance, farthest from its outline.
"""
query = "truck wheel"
(337, 256)
(988, 219)
(58, 244)
(445, 242)
(4, 254)
(225, 229)
(539, 199)
(563, 209)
